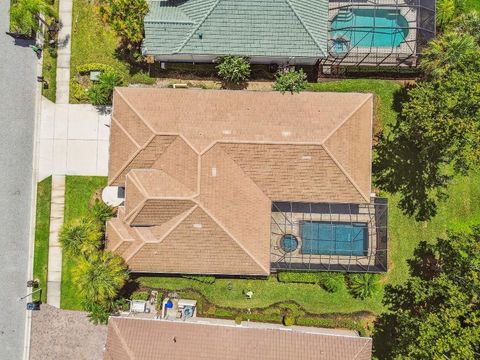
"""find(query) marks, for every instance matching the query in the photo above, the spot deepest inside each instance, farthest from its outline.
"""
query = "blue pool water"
(368, 28)
(339, 238)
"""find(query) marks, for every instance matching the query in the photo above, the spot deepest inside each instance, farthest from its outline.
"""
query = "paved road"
(17, 105)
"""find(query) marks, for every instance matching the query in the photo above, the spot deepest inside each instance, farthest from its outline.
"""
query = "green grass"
(42, 230)
(79, 190)
(49, 66)
(472, 5)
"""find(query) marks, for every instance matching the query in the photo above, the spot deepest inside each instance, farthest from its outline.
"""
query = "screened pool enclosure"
(329, 236)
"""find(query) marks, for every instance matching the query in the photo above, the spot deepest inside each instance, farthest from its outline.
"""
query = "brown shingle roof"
(228, 155)
(145, 339)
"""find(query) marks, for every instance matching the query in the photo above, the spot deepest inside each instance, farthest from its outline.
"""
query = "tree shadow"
(384, 336)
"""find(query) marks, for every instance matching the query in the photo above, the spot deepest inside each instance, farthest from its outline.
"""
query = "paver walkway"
(54, 278)
(63, 53)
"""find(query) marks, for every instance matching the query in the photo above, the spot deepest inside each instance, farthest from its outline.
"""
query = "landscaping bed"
(80, 191)
(42, 230)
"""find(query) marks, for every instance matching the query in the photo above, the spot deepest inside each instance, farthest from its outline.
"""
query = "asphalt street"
(17, 111)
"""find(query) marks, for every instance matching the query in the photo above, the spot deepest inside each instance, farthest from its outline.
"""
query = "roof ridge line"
(348, 117)
(125, 131)
(118, 233)
(134, 110)
(182, 45)
(131, 158)
(138, 246)
(128, 219)
(233, 237)
(122, 341)
(345, 173)
(148, 196)
(305, 26)
(180, 220)
(361, 350)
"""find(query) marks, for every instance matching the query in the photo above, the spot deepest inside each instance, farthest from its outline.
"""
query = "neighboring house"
(146, 339)
(267, 31)
(244, 183)
(304, 32)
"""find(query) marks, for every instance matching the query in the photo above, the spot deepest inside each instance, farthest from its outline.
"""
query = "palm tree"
(449, 51)
(26, 14)
(80, 238)
(363, 286)
(447, 11)
(99, 278)
(101, 92)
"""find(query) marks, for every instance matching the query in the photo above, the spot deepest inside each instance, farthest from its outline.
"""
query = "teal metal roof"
(291, 28)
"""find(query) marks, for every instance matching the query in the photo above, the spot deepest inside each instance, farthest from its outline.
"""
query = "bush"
(331, 281)
(142, 78)
(288, 320)
(80, 238)
(363, 286)
(87, 68)
(102, 212)
(292, 81)
(101, 92)
(140, 295)
(238, 319)
(201, 278)
(234, 69)
(78, 92)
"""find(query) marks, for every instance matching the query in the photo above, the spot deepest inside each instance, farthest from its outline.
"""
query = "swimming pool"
(368, 28)
(338, 238)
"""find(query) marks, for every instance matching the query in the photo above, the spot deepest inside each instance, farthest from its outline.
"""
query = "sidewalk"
(54, 279)
(63, 54)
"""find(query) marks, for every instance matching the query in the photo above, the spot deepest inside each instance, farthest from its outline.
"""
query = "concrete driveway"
(17, 122)
(74, 140)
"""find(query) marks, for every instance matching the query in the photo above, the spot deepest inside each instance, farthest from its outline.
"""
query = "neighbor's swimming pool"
(339, 238)
(368, 28)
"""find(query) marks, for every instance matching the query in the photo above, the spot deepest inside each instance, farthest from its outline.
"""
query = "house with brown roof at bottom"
(146, 339)
(244, 183)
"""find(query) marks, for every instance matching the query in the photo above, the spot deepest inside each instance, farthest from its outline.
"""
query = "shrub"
(78, 92)
(126, 18)
(80, 238)
(238, 319)
(99, 278)
(292, 81)
(331, 281)
(140, 295)
(201, 278)
(101, 92)
(362, 286)
(102, 212)
(234, 69)
(97, 313)
(25, 15)
(298, 277)
(288, 320)
(142, 78)
(87, 68)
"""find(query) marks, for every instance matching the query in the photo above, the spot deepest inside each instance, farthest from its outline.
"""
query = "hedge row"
(330, 281)
(201, 278)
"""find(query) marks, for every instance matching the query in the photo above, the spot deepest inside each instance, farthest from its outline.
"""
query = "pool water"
(368, 28)
(339, 238)
(288, 243)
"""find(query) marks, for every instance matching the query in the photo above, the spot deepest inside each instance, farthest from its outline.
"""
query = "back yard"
(309, 303)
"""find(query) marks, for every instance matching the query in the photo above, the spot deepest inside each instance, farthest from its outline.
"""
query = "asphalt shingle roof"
(293, 28)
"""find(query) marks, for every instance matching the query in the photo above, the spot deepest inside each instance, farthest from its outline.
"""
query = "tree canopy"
(437, 133)
(25, 15)
(436, 313)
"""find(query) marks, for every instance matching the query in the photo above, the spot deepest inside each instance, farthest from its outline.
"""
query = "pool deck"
(290, 224)
(376, 54)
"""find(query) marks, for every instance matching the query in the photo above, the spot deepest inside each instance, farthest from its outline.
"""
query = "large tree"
(437, 134)
(25, 15)
(436, 313)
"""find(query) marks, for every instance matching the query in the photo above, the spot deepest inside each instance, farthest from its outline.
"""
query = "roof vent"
(306, 157)
(197, 226)
(214, 171)
(200, 35)
(227, 132)
(286, 133)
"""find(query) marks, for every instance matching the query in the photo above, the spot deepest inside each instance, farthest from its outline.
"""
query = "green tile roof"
(291, 28)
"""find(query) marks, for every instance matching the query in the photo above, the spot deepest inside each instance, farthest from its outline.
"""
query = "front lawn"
(42, 230)
(79, 191)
